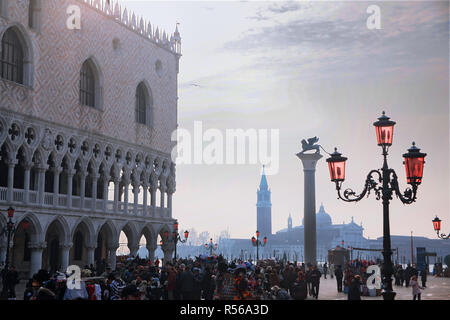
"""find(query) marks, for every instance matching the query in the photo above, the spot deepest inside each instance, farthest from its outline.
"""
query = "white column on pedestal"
(26, 182)
(310, 241)
(70, 174)
(116, 194)
(90, 254)
(41, 184)
(169, 204)
(94, 191)
(125, 197)
(11, 164)
(65, 250)
(136, 196)
(105, 192)
(36, 257)
(82, 176)
(145, 198)
(56, 172)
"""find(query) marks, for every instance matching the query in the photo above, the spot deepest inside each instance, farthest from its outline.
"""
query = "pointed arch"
(91, 84)
(18, 65)
(144, 104)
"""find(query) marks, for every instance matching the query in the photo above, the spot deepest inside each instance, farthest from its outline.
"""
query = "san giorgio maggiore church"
(288, 242)
(86, 117)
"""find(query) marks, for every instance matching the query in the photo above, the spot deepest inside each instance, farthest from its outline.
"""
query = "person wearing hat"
(354, 290)
(279, 293)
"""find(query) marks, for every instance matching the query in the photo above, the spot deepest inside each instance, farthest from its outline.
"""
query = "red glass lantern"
(25, 225)
(336, 165)
(11, 212)
(186, 234)
(257, 234)
(253, 240)
(265, 240)
(414, 161)
(437, 224)
(385, 130)
(175, 226)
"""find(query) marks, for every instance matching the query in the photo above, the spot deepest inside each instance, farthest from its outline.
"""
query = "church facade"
(288, 243)
(86, 117)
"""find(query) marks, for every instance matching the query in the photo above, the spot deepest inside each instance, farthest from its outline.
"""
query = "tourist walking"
(339, 275)
(415, 288)
(315, 282)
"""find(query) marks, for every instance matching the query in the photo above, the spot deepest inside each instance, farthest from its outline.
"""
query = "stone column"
(309, 168)
(2, 254)
(168, 255)
(82, 188)
(136, 196)
(11, 164)
(151, 248)
(116, 194)
(169, 204)
(70, 174)
(153, 198)
(65, 250)
(56, 172)
(36, 257)
(112, 257)
(133, 249)
(163, 192)
(145, 198)
(105, 192)
(26, 182)
(90, 255)
(41, 184)
(94, 191)
(125, 196)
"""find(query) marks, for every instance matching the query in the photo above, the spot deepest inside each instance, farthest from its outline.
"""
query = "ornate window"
(11, 59)
(87, 85)
(141, 105)
(144, 104)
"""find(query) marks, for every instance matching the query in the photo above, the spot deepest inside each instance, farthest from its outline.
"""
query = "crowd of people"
(205, 278)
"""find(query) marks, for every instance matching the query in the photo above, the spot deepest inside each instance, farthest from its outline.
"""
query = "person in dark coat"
(423, 276)
(339, 275)
(400, 275)
(354, 290)
(325, 270)
(407, 274)
(186, 281)
(315, 281)
(12, 279)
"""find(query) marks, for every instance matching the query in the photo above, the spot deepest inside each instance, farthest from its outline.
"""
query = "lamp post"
(211, 246)
(175, 238)
(9, 230)
(437, 228)
(384, 183)
(257, 243)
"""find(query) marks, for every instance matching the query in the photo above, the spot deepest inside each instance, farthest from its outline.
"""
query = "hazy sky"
(311, 69)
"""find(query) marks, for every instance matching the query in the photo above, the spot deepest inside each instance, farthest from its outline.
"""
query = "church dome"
(322, 218)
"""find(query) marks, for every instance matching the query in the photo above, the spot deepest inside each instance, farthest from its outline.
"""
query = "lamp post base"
(389, 295)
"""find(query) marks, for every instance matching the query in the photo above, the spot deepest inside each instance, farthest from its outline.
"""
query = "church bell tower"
(264, 208)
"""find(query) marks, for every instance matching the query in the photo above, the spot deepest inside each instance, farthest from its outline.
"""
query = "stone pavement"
(437, 289)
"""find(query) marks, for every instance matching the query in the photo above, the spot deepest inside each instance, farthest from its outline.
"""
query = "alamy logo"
(235, 146)
(374, 20)
(74, 280)
(374, 280)
(74, 20)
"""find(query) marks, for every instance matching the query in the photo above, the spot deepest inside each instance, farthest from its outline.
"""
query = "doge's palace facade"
(86, 117)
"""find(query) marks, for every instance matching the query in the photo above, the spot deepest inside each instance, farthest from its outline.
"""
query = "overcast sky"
(311, 69)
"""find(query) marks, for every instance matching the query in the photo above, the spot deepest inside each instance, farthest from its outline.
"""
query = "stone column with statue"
(309, 161)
